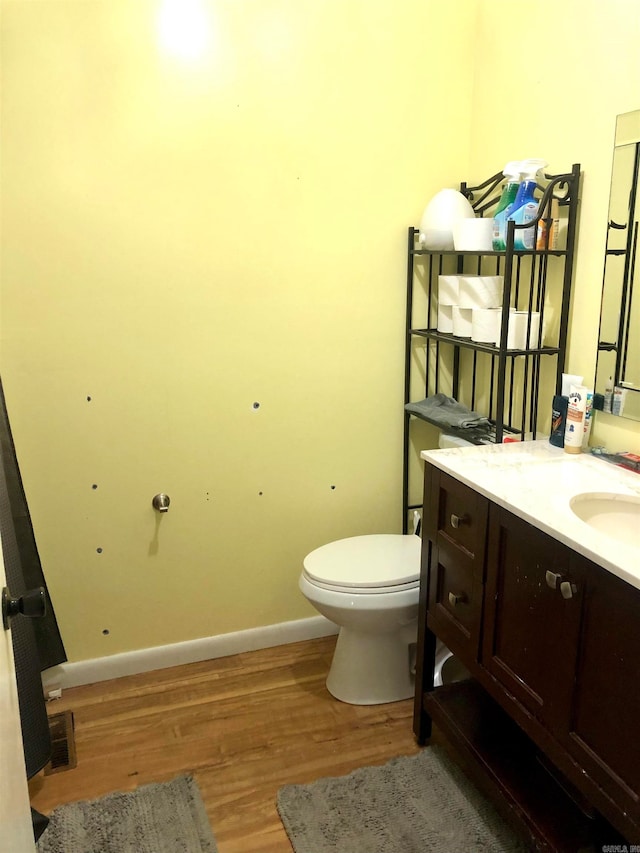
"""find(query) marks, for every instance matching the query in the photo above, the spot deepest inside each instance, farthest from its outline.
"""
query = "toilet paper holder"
(161, 502)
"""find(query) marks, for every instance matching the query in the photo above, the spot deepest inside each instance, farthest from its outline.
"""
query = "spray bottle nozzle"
(532, 168)
(512, 170)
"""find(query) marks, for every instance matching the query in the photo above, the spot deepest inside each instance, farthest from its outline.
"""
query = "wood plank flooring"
(242, 725)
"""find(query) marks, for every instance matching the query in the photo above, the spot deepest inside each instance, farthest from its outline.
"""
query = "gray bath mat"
(166, 817)
(414, 804)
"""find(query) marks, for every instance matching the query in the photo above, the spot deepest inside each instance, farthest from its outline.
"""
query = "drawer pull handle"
(457, 520)
(455, 599)
(555, 581)
(552, 579)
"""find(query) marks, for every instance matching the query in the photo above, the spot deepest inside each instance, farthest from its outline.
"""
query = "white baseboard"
(160, 657)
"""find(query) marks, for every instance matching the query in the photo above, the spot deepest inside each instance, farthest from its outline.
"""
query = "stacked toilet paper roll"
(480, 291)
(462, 321)
(469, 306)
(445, 318)
(517, 334)
(447, 298)
(485, 325)
(448, 289)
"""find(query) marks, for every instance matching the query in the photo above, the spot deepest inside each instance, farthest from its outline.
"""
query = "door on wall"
(15, 811)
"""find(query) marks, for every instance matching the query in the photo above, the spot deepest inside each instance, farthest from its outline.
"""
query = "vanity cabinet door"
(455, 524)
(605, 714)
(532, 617)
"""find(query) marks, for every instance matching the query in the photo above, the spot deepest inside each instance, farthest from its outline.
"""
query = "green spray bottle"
(512, 173)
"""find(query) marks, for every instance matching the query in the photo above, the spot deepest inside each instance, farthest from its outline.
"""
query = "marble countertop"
(536, 482)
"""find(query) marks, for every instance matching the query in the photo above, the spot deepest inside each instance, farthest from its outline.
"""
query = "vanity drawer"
(459, 513)
(454, 599)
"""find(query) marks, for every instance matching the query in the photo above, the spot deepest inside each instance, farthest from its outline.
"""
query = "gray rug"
(165, 817)
(414, 804)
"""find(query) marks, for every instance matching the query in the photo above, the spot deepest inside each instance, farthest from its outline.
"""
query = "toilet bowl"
(369, 587)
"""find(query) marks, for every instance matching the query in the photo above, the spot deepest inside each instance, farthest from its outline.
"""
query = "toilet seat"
(378, 563)
(361, 590)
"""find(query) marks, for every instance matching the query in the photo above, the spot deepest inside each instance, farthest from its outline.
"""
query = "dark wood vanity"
(549, 722)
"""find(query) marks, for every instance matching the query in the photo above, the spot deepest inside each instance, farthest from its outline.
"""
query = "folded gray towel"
(446, 412)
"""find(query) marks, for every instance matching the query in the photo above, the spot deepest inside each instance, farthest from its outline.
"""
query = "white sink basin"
(616, 515)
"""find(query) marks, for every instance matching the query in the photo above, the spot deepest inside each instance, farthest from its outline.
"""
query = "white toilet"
(369, 587)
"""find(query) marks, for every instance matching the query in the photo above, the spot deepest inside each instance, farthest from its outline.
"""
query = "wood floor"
(242, 725)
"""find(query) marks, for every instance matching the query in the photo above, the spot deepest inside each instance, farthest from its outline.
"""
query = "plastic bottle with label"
(512, 174)
(548, 228)
(608, 396)
(525, 206)
(574, 427)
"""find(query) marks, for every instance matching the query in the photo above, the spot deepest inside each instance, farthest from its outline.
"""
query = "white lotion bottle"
(576, 413)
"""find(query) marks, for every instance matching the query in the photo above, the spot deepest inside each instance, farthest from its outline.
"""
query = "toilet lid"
(366, 561)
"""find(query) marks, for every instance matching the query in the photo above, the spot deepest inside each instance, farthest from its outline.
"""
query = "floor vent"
(63, 744)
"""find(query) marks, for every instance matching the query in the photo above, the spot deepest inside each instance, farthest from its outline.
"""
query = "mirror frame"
(622, 393)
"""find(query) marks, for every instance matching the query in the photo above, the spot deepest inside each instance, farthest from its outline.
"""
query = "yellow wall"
(549, 82)
(184, 236)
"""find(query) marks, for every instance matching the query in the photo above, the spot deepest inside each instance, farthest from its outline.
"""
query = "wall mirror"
(618, 364)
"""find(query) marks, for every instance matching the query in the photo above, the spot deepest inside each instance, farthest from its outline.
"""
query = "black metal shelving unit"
(501, 384)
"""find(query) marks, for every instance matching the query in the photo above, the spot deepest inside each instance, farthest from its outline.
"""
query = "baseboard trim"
(160, 657)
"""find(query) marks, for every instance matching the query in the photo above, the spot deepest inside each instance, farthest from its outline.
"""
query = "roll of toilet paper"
(517, 334)
(480, 291)
(445, 318)
(473, 235)
(462, 318)
(499, 326)
(448, 289)
(534, 330)
(485, 325)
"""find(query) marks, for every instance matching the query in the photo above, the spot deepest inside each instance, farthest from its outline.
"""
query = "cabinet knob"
(457, 520)
(456, 598)
(567, 589)
(552, 579)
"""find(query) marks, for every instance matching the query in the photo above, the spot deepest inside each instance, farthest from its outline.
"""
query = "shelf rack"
(500, 383)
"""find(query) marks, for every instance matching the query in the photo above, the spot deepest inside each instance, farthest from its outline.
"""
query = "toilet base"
(371, 669)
